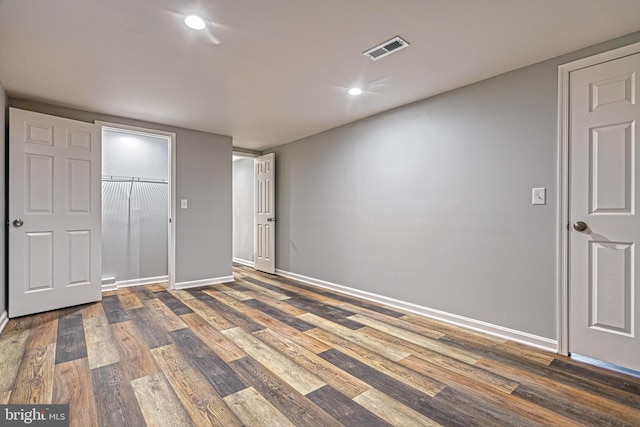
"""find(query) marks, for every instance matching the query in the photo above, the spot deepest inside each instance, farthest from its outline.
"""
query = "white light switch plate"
(538, 196)
(184, 203)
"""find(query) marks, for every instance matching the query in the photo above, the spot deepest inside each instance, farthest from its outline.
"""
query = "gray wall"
(203, 168)
(430, 203)
(3, 142)
(243, 213)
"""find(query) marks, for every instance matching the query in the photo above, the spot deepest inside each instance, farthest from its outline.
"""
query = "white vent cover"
(386, 48)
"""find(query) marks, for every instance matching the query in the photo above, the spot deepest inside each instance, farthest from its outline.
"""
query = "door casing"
(171, 262)
(249, 156)
(562, 260)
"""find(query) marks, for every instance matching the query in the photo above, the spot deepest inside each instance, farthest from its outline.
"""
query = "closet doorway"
(138, 205)
(243, 208)
(254, 220)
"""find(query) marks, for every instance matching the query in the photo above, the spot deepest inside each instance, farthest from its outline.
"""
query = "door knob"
(580, 226)
(17, 223)
(271, 219)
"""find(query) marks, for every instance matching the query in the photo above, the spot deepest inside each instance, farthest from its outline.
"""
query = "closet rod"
(112, 178)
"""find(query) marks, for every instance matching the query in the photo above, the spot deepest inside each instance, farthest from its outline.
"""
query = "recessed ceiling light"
(195, 22)
(355, 91)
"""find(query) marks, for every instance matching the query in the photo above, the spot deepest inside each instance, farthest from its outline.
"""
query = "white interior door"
(603, 186)
(54, 213)
(265, 222)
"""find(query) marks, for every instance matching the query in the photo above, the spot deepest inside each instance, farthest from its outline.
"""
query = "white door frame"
(171, 261)
(562, 261)
(245, 155)
(251, 156)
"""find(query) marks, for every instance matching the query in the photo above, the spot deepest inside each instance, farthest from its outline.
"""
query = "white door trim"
(171, 262)
(562, 261)
(245, 155)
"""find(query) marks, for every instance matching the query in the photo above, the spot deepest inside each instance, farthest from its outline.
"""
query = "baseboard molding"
(244, 262)
(133, 282)
(4, 319)
(465, 322)
(203, 282)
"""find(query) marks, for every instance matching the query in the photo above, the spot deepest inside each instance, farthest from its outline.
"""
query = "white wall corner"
(465, 322)
(203, 282)
(4, 319)
(244, 262)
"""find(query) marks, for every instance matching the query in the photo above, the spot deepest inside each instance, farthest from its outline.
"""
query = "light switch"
(538, 196)
(184, 203)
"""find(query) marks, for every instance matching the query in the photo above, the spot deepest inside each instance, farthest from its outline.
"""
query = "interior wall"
(135, 214)
(203, 176)
(243, 212)
(4, 129)
(126, 154)
(430, 203)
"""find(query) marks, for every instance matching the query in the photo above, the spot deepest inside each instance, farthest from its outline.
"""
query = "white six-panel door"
(54, 213)
(265, 220)
(605, 229)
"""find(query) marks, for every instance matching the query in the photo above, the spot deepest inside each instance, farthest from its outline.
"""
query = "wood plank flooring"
(268, 351)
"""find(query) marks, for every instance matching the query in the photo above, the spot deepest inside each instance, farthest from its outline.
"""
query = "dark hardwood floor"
(268, 351)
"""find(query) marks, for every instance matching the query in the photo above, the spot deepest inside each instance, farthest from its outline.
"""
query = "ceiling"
(270, 72)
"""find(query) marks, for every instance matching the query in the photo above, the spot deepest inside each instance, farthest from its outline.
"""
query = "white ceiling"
(270, 72)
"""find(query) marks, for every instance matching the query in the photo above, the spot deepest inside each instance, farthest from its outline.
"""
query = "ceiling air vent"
(386, 48)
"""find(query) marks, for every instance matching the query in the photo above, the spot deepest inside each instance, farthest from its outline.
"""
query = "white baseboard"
(133, 282)
(244, 262)
(203, 282)
(141, 282)
(4, 319)
(476, 325)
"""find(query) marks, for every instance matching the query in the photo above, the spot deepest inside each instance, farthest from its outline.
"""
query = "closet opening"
(138, 205)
